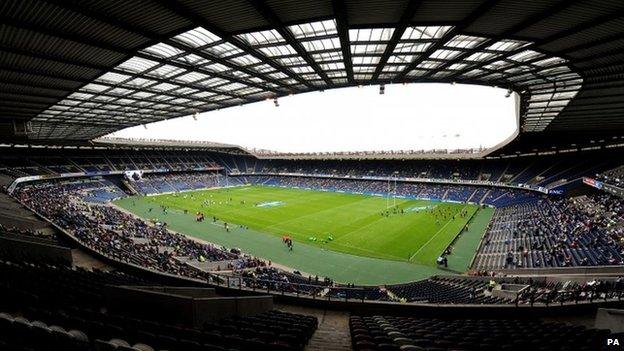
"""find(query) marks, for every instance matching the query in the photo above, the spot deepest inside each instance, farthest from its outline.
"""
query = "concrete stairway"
(330, 337)
(333, 330)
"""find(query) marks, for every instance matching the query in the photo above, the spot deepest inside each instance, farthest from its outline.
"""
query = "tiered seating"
(390, 333)
(352, 292)
(472, 290)
(93, 330)
(102, 191)
(446, 290)
(569, 232)
(548, 292)
(277, 280)
(19, 333)
(29, 235)
(58, 308)
(537, 172)
(117, 234)
(613, 176)
(174, 182)
(462, 193)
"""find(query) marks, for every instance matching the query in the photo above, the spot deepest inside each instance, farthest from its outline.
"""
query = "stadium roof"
(78, 70)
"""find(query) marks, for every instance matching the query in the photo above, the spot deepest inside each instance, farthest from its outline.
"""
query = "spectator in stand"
(118, 234)
(571, 232)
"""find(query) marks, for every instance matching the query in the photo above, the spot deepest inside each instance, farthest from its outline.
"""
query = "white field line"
(434, 235)
(360, 228)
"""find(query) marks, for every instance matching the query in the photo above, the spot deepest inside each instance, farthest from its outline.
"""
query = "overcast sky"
(407, 117)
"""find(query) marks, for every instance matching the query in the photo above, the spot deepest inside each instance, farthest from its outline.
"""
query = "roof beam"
(599, 106)
(599, 55)
(40, 86)
(169, 81)
(277, 24)
(192, 68)
(342, 26)
(132, 75)
(85, 82)
(200, 21)
(113, 48)
(405, 20)
(617, 114)
(6, 104)
(591, 44)
(102, 108)
(104, 119)
(127, 54)
(89, 123)
(54, 58)
(571, 31)
(474, 15)
(78, 8)
(37, 98)
(558, 7)
(77, 39)
(228, 64)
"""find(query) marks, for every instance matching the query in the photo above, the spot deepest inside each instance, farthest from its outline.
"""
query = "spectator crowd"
(582, 231)
(117, 234)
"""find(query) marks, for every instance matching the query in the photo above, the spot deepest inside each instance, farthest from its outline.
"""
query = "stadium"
(145, 243)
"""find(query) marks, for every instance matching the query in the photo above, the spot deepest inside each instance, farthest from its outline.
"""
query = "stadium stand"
(116, 234)
(583, 231)
(413, 333)
(512, 229)
(522, 233)
(56, 307)
(29, 234)
(613, 176)
(535, 172)
(445, 290)
(448, 290)
(463, 193)
(158, 183)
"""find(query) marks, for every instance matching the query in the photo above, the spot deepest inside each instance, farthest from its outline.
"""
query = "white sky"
(408, 117)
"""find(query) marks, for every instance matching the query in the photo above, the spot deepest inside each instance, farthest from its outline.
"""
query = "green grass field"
(355, 222)
(338, 213)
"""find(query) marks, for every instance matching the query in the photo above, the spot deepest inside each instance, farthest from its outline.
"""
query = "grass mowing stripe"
(468, 242)
(312, 214)
(434, 236)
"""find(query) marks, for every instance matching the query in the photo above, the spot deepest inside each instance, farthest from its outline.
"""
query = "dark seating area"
(55, 307)
(100, 331)
(390, 333)
(613, 176)
(29, 235)
(19, 333)
(446, 290)
(16, 219)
